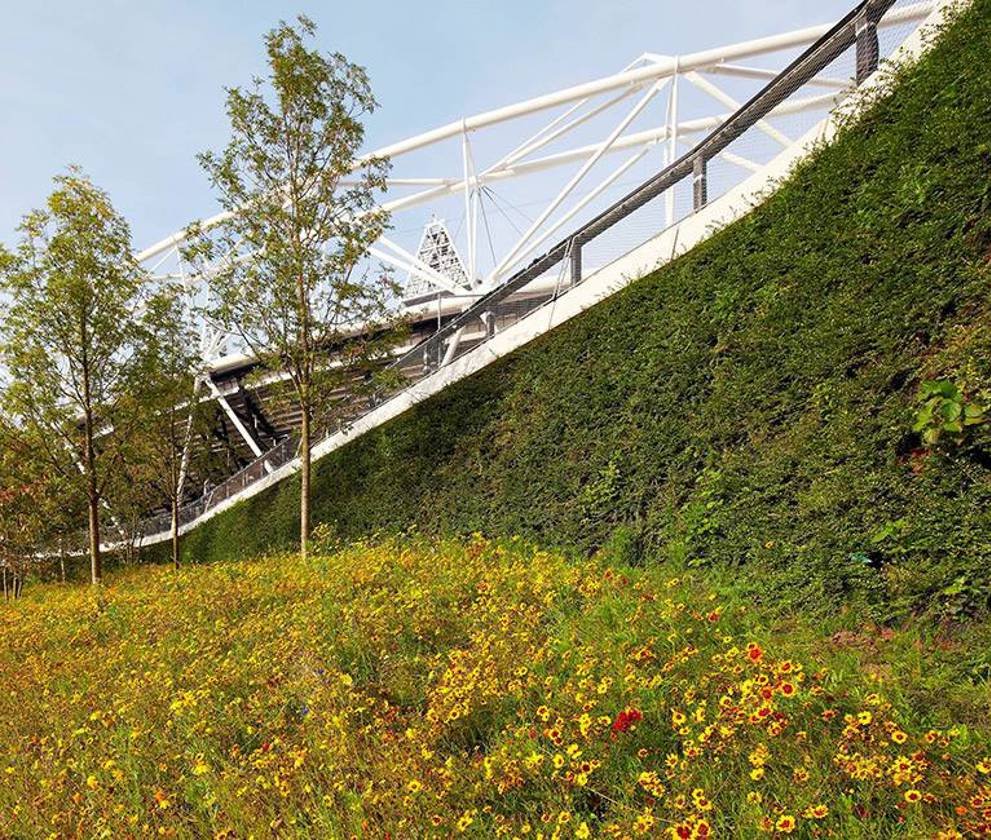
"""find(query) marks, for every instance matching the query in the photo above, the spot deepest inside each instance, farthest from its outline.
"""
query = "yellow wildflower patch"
(417, 689)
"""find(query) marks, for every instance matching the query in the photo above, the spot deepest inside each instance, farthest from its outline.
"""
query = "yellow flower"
(92, 783)
(912, 795)
(582, 832)
(643, 823)
(785, 824)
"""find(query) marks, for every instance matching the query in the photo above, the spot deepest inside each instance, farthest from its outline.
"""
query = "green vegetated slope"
(750, 404)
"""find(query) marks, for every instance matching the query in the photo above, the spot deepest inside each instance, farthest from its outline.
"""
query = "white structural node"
(554, 203)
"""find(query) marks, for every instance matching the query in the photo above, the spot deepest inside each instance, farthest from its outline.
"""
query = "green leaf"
(956, 587)
(951, 410)
(941, 388)
(973, 414)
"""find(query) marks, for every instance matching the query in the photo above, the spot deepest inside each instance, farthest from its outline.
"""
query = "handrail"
(842, 36)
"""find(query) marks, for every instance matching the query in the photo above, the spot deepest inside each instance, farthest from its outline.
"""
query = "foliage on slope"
(751, 404)
(432, 690)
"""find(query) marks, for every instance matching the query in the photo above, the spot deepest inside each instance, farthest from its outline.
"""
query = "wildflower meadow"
(410, 689)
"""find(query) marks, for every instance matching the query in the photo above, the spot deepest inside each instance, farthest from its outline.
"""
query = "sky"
(132, 90)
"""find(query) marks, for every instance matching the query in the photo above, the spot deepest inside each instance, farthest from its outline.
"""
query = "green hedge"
(749, 405)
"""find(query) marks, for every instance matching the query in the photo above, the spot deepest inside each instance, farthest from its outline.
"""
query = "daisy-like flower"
(785, 824)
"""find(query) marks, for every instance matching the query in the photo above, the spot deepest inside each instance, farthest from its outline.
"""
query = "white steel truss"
(507, 183)
(437, 250)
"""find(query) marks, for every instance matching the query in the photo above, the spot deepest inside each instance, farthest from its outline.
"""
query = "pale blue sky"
(132, 89)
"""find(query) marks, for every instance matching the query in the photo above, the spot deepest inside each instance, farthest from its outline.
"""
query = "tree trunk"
(305, 380)
(95, 561)
(304, 483)
(175, 533)
(92, 491)
(93, 505)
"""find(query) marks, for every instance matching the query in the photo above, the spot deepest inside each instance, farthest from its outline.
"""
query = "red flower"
(625, 719)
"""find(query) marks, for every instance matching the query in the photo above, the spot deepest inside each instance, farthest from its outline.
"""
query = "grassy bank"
(431, 690)
(751, 405)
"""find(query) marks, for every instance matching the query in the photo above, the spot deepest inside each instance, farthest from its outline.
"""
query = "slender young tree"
(285, 267)
(72, 335)
(163, 453)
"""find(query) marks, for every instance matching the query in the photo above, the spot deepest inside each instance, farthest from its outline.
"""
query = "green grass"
(749, 406)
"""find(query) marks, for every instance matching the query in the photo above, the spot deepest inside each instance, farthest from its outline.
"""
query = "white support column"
(729, 157)
(533, 138)
(720, 95)
(760, 73)
(470, 190)
(452, 347)
(542, 140)
(587, 199)
(235, 420)
(405, 261)
(672, 142)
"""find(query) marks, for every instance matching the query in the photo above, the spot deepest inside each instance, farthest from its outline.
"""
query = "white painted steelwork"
(487, 243)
